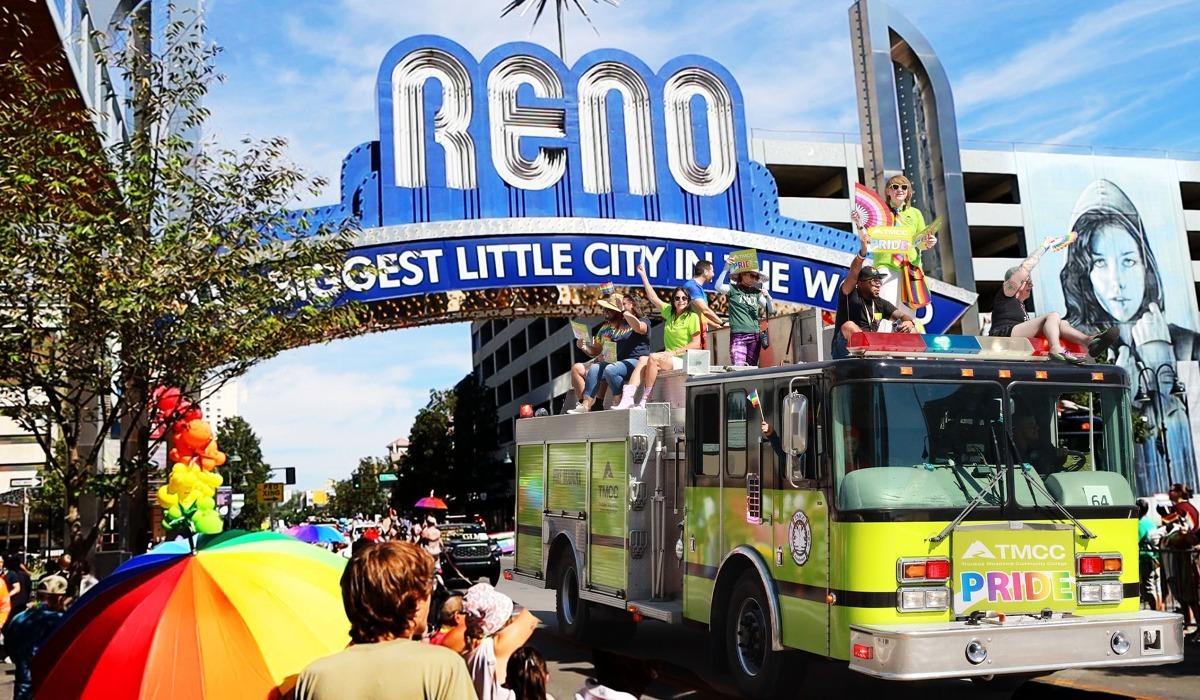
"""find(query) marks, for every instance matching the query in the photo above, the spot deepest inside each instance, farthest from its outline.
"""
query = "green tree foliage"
(362, 494)
(155, 261)
(426, 466)
(246, 472)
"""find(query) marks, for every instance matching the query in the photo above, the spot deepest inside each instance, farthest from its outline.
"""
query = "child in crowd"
(527, 676)
(493, 634)
(452, 625)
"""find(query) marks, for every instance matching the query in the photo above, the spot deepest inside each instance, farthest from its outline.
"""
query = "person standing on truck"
(1009, 318)
(702, 274)
(681, 332)
(860, 307)
(632, 341)
(747, 303)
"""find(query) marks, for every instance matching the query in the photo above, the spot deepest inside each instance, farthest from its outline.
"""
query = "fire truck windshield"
(916, 444)
(929, 445)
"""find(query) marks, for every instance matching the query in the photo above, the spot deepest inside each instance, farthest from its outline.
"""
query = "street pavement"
(679, 657)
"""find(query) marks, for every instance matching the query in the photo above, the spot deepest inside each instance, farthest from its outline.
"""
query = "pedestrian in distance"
(1009, 318)
(527, 676)
(30, 630)
(386, 590)
(860, 307)
(494, 631)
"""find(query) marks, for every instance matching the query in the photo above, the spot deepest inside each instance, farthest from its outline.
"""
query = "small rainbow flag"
(607, 288)
(752, 397)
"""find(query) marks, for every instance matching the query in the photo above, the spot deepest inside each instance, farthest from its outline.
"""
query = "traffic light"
(289, 475)
(356, 481)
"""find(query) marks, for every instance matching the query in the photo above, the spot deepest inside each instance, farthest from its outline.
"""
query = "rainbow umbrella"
(431, 502)
(316, 534)
(239, 617)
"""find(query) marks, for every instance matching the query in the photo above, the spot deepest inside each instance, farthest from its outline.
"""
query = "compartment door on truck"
(531, 498)
(702, 522)
(606, 515)
(800, 523)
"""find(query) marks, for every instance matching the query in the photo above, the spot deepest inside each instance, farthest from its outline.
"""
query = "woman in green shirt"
(681, 332)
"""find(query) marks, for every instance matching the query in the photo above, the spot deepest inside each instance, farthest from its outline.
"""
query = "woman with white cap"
(493, 634)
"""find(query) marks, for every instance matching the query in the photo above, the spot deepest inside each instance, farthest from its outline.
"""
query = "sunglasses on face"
(680, 298)
(899, 186)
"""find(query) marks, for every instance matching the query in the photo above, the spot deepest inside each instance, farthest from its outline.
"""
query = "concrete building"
(396, 449)
(221, 404)
(529, 361)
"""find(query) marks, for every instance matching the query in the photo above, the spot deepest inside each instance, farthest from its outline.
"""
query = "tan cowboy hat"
(613, 302)
(762, 276)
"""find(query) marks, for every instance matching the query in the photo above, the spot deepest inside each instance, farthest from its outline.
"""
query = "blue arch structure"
(494, 239)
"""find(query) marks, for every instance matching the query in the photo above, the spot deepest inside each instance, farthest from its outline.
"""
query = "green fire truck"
(916, 511)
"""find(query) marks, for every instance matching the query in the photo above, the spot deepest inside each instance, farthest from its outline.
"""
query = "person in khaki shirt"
(386, 589)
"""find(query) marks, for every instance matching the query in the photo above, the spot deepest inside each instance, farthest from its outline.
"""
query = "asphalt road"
(677, 657)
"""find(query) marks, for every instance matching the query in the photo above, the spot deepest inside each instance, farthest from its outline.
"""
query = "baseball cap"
(870, 272)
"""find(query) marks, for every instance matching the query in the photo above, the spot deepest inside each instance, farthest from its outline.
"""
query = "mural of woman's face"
(1118, 272)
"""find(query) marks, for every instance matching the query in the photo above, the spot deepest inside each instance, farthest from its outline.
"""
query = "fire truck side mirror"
(795, 423)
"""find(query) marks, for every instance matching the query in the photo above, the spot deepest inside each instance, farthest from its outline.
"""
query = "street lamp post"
(1178, 390)
(232, 460)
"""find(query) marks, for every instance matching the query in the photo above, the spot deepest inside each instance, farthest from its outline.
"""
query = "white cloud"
(323, 407)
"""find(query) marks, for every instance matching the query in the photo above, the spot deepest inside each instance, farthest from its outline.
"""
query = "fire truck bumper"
(1020, 644)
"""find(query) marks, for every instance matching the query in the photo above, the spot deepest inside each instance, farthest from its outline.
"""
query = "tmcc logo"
(978, 550)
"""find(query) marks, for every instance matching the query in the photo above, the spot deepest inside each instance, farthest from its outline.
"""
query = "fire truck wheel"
(573, 614)
(758, 671)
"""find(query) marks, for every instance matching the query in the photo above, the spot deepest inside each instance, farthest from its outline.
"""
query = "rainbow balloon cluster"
(188, 499)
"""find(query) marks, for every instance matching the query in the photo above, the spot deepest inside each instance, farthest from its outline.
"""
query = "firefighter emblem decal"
(800, 537)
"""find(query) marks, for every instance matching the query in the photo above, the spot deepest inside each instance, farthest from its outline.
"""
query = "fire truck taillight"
(923, 570)
(1098, 564)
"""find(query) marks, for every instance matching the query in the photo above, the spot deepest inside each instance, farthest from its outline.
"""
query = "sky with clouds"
(1112, 73)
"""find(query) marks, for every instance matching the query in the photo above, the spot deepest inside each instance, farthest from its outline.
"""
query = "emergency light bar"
(953, 346)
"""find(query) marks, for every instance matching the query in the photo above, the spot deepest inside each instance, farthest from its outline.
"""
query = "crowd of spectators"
(1168, 536)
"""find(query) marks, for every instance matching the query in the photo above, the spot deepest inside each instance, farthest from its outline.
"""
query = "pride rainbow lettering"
(1012, 586)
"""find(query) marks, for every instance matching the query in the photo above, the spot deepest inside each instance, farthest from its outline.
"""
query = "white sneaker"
(627, 401)
(581, 408)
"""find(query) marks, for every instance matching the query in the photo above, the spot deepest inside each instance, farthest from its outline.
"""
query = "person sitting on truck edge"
(631, 336)
(746, 302)
(1009, 318)
(579, 370)
(702, 274)
(859, 306)
(681, 332)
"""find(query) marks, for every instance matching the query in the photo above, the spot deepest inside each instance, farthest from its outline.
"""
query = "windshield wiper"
(1037, 485)
(1000, 471)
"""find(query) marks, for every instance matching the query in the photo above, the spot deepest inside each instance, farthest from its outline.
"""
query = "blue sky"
(1105, 73)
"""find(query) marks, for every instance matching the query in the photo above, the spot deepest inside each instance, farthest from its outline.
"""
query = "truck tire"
(758, 671)
(573, 613)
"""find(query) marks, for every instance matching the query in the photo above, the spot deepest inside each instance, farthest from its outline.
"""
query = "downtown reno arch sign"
(514, 184)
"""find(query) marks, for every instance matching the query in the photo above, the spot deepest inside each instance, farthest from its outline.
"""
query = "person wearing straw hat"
(30, 629)
(632, 342)
(747, 304)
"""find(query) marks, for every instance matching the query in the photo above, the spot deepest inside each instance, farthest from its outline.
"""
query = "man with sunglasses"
(860, 307)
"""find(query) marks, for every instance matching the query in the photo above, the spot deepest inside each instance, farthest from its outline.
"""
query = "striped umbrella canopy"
(238, 617)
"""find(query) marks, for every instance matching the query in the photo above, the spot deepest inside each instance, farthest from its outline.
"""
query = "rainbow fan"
(1064, 242)
(871, 209)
